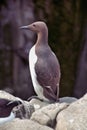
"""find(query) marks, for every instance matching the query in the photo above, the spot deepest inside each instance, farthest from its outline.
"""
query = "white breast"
(7, 119)
(32, 61)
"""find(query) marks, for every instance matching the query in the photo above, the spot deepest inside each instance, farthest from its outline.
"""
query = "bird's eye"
(34, 25)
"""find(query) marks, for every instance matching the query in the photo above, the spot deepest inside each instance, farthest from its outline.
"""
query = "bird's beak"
(24, 27)
(29, 27)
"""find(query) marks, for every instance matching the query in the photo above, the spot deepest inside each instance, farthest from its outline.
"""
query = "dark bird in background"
(44, 65)
(6, 107)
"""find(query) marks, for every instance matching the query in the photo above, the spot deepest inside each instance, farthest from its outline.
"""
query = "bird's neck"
(42, 37)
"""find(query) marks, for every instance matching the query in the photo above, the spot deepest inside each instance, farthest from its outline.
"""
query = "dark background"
(67, 23)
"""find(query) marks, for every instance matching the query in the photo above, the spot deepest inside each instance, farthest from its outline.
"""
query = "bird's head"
(36, 27)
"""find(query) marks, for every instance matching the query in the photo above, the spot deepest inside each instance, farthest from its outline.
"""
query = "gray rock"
(47, 114)
(6, 95)
(68, 114)
(18, 124)
(38, 104)
(67, 99)
(74, 117)
(22, 111)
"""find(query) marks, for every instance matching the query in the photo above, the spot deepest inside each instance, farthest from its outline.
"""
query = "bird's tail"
(54, 95)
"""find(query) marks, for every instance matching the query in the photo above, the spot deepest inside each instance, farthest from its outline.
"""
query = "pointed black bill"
(23, 27)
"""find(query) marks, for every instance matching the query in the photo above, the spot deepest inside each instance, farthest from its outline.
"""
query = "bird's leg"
(36, 97)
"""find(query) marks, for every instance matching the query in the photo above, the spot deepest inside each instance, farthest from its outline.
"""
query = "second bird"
(44, 65)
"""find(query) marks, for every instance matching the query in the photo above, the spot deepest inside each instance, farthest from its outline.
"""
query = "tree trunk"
(81, 79)
(15, 14)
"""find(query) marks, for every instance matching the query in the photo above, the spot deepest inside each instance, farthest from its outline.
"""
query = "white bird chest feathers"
(32, 61)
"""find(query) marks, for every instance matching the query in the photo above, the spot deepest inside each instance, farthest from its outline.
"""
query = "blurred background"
(67, 23)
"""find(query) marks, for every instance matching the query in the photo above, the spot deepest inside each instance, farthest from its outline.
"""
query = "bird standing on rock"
(44, 65)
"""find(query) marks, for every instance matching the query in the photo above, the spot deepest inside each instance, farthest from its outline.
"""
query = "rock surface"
(21, 111)
(6, 95)
(38, 104)
(74, 117)
(18, 124)
(47, 114)
(67, 99)
(68, 114)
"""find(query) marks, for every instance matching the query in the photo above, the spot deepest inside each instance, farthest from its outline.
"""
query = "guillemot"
(6, 107)
(44, 65)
